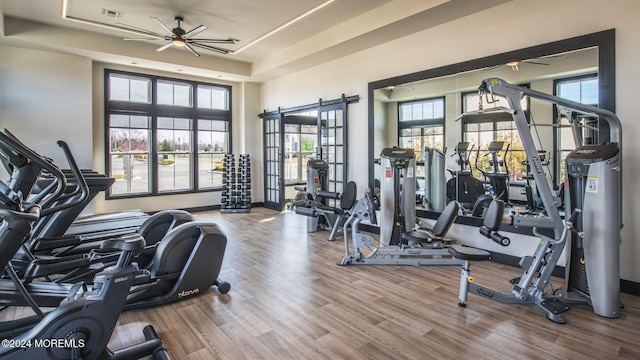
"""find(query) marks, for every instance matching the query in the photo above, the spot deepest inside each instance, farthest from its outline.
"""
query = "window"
(165, 135)
(481, 130)
(420, 126)
(301, 144)
(583, 89)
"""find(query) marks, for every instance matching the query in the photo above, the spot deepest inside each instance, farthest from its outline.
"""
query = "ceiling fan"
(514, 64)
(180, 38)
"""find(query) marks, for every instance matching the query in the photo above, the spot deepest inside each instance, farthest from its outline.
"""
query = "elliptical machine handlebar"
(81, 183)
(11, 141)
(32, 214)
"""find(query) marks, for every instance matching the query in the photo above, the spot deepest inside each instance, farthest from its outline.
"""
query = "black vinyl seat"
(440, 228)
(489, 229)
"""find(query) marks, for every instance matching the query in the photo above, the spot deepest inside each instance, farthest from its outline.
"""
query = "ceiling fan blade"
(194, 31)
(217, 41)
(190, 49)
(212, 48)
(143, 31)
(493, 67)
(152, 39)
(163, 47)
(165, 27)
(534, 62)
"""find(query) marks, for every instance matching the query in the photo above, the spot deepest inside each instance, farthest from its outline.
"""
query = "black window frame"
(153, 111)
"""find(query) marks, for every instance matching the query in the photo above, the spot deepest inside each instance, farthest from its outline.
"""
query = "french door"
(274, 161)
(332, 136)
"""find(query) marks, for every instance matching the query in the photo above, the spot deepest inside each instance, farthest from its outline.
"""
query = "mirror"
(436, 97)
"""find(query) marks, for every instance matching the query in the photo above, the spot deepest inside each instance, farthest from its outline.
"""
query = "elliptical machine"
(81, 326)
(187, 261)
(498, 179)
(463, 187)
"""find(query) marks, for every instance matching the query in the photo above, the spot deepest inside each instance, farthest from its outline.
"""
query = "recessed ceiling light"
(134, 63)
(179, 69)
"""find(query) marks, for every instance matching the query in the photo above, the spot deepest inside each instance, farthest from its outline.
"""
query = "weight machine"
(400, 244)
(315, 202)
(594, 200)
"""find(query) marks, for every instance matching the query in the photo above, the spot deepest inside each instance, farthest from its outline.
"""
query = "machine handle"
(501, 240)
(33, 214)
(328, 195)
(574, 215)
(312, 212)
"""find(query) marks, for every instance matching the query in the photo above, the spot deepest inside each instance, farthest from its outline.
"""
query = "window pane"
(182, 95)
(204, 97)
(119, 88)
(570, 91)
(174, 154)
(212, 145)
(119, 121)
(165, 93)
(213, 97)
(590, 92)
(405, 114)
(417, 111)
(140, 90)
(173, 93)
(129, 154)
(422, 110)
(127, 88)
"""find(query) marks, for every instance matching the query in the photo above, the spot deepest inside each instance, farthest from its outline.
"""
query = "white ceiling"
(338, 29)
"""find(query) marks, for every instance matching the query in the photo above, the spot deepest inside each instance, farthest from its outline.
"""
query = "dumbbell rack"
(236, 196)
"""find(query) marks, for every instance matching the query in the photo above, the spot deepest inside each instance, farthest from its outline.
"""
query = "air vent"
(112, 13)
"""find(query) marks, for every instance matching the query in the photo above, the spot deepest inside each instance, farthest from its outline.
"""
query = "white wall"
(45, 97)
(515, 25)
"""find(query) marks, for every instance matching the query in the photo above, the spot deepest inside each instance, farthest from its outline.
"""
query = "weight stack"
(236, 196)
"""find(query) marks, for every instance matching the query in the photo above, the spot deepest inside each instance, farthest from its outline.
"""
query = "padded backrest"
(493, 217)
(481, 204)
(348, 197)
(446, 219)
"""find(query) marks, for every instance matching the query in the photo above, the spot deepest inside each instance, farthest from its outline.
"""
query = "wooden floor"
(289, 300)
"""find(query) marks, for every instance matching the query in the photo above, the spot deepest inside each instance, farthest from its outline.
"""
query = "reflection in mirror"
(423, 114)
(300, 145)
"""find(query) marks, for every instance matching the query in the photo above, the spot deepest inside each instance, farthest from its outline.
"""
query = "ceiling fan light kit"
(179, 37)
